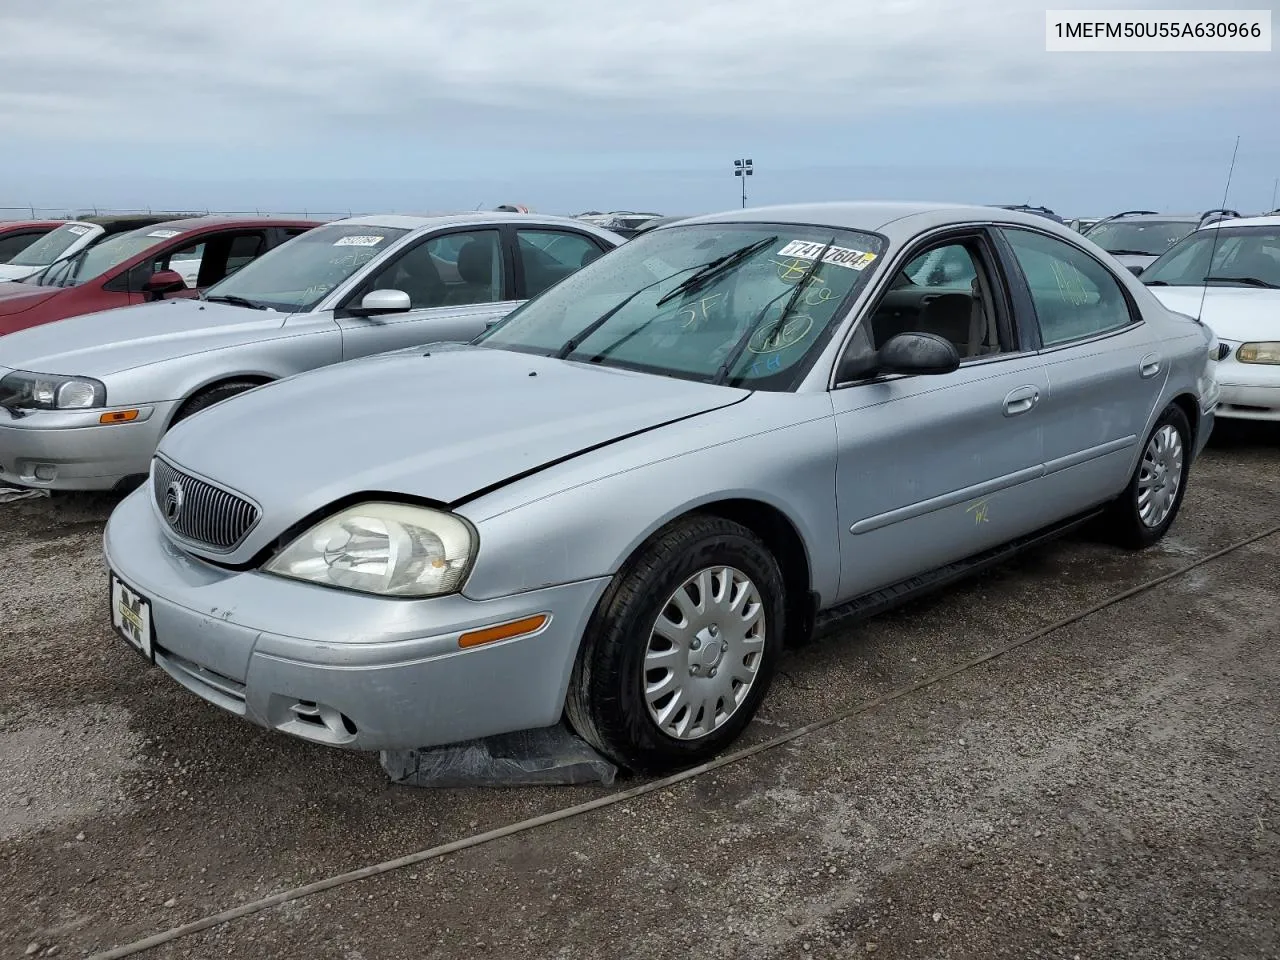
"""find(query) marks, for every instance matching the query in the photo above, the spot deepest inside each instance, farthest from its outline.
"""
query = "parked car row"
(407, 481)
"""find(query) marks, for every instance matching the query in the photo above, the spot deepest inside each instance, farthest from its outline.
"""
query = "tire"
(607, 703)
(208, 397)
(1124, 520)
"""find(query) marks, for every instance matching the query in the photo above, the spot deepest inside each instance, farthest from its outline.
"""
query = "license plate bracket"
(131, 617)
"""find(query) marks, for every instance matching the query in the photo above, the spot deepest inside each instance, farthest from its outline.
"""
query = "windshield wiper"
(1156, 283)
(594, 325)
(1247, 281)
(1132, 253)
(715, 268)
(234, 301)
(740, 347)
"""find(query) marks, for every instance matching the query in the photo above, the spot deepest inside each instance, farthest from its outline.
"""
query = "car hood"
(98, 344)
(1233, 313)
(441, 424)
(15, 271)
(17, 297)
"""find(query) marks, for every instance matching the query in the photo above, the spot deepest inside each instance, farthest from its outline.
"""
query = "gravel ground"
(1109, 790)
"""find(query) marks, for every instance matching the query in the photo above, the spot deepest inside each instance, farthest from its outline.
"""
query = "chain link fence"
(32, 212)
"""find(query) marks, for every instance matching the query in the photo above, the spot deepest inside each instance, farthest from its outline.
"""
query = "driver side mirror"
(163, 282)
(905, 353)
(378, 302)
(1136, 269)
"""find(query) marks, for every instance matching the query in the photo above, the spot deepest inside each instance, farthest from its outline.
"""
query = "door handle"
(1021, 400)
(1150, 366)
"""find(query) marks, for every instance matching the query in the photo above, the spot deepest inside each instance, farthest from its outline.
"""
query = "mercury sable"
(622, 501)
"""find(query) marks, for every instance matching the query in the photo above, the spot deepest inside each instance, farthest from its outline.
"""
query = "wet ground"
(1111, 789)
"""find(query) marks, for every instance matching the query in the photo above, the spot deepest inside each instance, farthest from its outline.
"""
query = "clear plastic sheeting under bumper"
(549, 756)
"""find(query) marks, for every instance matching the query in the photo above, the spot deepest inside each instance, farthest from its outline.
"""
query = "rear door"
(935, 468)
(546, 255)
(457, 281)
(1105, 367)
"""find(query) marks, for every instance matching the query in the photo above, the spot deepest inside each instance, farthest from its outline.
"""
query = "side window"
(14, 244)
(548, 256)
(1074, 295)
(244, 248)
(186, 261)
(943, 291)
(454, 269)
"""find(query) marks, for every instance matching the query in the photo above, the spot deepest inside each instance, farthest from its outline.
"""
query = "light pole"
(742, 168)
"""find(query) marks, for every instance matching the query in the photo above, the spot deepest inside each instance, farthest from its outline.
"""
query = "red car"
(177, 258)
(17, 235)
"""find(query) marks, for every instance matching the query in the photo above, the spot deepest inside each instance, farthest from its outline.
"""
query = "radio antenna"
(1216, 226)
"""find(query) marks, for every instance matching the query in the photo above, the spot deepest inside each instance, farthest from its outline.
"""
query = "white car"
(1238, 297)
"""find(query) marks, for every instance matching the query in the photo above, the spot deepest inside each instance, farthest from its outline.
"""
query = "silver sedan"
(622, 501)
(84, 401)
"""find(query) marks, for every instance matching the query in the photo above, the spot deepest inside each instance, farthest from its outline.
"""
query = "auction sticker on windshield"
(131, 617)
(358, 241)
(164, 234)
(837, 256)
(78, 231)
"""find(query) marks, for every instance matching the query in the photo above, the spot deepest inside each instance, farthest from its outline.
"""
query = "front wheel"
(681, 650)
(1146, 510)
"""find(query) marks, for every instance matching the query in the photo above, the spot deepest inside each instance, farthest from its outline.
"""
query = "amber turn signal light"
(505, 631)
(118, 416)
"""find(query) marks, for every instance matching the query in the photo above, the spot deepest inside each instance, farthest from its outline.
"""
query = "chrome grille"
(204, 514)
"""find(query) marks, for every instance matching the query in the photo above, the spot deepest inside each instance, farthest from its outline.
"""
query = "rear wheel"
(208, 397)
(681, 650)
(1148, 507)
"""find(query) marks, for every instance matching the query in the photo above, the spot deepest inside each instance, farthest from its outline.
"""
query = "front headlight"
(389, 549)
(39, 391)
(1267, 351)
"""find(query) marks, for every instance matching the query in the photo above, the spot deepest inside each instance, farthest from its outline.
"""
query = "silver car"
(84, 401)
(622, 501)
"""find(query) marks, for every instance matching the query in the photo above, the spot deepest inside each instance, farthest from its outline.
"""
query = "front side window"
(1242, 257)
(1141, 238)
(738, 303)
(449, 270)
(548, 256)
(940, 292)
(53, 244)
(1074, 295)
(297, 275)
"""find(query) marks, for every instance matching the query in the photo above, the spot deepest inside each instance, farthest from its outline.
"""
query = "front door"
(934, 468)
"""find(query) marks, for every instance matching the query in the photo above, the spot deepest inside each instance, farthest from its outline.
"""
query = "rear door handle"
(1021, 400)
(1150, 366)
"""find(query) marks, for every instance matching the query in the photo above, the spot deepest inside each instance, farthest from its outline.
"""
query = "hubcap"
(704, 653)
(1160, 476)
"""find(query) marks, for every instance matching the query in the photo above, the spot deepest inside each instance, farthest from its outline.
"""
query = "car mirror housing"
(163, 282)
(377, 302)
(917, 353)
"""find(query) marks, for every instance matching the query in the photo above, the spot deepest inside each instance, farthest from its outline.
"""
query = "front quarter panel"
(585, 517)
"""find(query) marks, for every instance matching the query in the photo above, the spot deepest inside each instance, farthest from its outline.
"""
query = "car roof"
(1270, 220)
(189, 224)
(401, 221)
(26, 224)
(896, 220)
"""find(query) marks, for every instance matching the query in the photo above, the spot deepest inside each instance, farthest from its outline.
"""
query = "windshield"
(747, 320)
(53, 245)
(1242, 257)
(1149, 238)
(301, 272)
(103, 256)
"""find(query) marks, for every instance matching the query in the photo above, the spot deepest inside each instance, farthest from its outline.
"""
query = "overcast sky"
(416, 105)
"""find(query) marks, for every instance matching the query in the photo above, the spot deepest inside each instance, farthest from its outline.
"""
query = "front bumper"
(1250, 402)
(71, 450)
(342, 668)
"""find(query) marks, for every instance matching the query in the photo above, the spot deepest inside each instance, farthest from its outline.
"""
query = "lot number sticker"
(358, 241)
(838, 256)
(163, 234)
(78, 231)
